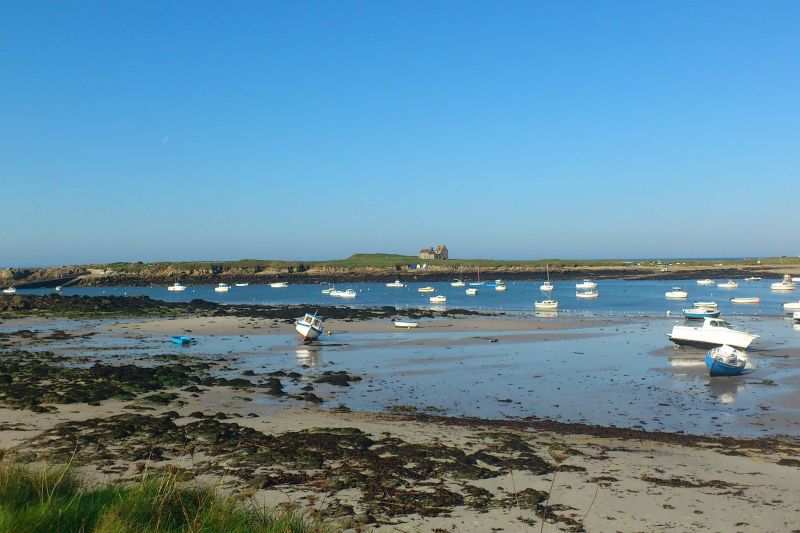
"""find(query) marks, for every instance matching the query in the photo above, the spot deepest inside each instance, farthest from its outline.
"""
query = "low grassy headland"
(387, 267)
(48, 500)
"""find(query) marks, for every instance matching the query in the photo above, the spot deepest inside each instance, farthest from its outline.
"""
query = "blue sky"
(200, 130)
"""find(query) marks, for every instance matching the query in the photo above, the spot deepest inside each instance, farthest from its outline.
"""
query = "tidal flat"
(468, 423)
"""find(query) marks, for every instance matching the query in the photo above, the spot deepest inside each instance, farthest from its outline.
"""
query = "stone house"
(440, 252)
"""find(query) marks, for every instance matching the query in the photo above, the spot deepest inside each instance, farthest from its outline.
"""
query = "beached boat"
(698, 313)
(472, 291)
(279, 285)
(438, 299)
(786, 284)
(242, 284)
(746, 300)
(727, 361)
(676, 294)
(546, 305)
(182, 340)
(396, 284)
(222, 287)
(349, 293)
(587, 294)
(711, 305)
(426, 289)
(309, 326)
(10, 290)
(500, 287)
(713, 332)
(586, 284)
(791, 306)
(705, 281)
(405, 324)
(730, 284)
(457, 283)
(174, 287)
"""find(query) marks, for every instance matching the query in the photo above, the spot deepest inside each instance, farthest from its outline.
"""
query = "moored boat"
(547, 286)
(746, 300)
(713, 332)
(174, 287)
(472, 291)
(242, 284)
(730, 284)
(9, 290)
(699, 313)
(457, 283)
(396, 284)
(727, 361)
(349, 293)
(676, 294)
(222, 287)
(405, 324)
(500, 287)
(426, 289)
(309, 326)
(587, 294)
(705, 281)
(546, 305)
(438, 299)
(586, 284)
(752, 278)
(279, 285)
(786, 284)
(712, 305)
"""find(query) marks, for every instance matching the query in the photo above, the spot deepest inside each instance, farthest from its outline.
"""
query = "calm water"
(635, 297)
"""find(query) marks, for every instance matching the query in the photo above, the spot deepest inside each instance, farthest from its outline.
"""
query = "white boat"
(711, 305)
(426, 289)
(796, 317)
(174, 287)
(478, 282)
(547, 286)
(546, 305)
(730, 284)
(713, 332)
(500, 287)
(457, 283)
(10, 290)
(279, 285)
(405, 324)
(58, 288)
(587, 294)
(396, 284)
(472, 291)
(328, 290)
(309, 327)
(676, 294)
(791, 306)
(705, 281)
(586, 284)
(222, 287)
(746, 300)
(438, 299)
(349, 293)
(784, 285)
(752, 278)
(242, 284)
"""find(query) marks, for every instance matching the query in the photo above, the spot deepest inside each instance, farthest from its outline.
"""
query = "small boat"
(726, 361)
(396, 284)
(438, 299)
(404, 324)
(705, 281)
(478, 282)
(786, 284)
(587, 294)
(752, 278)
(746, 300)
(174, 287)
(182, 340)
(242, 284)
(500, 287)
(309, 326)
(426, 289)
(222, 287)
(328, 290)
(698, 313)
(791, 306)
(586, 284)
(58, 288)
(547, 286)
(10, 290)
(711, 305)
(730, 284)
(713, 332)
(472, 291)
(279, 285)
(349, 293)
(457, 283)
(546, 305)
(676, 294)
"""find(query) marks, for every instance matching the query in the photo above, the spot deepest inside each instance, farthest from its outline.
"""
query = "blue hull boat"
(180, 339)
(727, 361)
(700, 313)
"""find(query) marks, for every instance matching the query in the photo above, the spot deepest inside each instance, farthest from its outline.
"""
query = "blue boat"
(727, 361)
(700, 313)
(180, 339)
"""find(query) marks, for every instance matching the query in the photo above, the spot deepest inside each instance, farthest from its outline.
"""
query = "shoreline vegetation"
(384, 268)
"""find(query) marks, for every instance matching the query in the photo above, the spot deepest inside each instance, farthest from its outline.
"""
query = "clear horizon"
(186, 130)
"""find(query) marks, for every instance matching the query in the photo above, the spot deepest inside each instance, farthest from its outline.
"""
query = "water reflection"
(545, 314)
(309, 355)
(438, 307)
(724, 389)
(797, 327)
(679, 361)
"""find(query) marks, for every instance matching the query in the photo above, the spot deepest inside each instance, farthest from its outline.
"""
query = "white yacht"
(547, 286)
(279, 285)
(242, 284)
(10, 290)
(730, 284)
(457, 283)
(746, 300)
(438, 299)
(396, 284)
(222, 287)
(176, 287)
(786, 284)
(587, 294)
(713, 332)
(676, 294)
(426, 289)
(705, 281)
(586, 284)
(472, 291)
(349, 293)
(500, 287)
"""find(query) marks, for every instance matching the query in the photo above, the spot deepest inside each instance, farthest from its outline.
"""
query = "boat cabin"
(312, 320)
(716, 323)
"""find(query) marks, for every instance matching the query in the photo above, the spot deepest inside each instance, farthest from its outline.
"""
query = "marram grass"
(50, 500)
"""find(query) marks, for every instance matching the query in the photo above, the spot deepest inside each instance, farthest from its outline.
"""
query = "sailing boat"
(548, 304)
(478, 283)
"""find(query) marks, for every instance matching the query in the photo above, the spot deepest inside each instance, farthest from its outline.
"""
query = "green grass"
(55, 500)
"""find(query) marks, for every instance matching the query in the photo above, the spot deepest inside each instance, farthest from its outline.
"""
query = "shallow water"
(616, 296)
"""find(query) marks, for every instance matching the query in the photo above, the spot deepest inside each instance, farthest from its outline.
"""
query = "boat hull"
(403, 324)
(697, 337)
(699, 314)
(545, 306)
(718, 368)
(307, 331)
